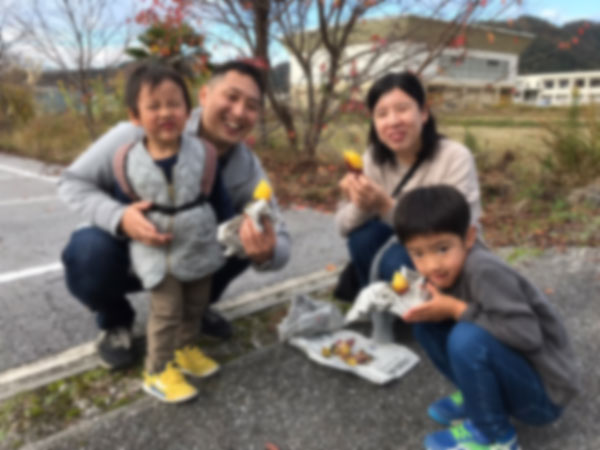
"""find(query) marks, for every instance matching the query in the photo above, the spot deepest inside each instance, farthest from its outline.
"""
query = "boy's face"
(440, 257)
(162, 112)
(231, 106)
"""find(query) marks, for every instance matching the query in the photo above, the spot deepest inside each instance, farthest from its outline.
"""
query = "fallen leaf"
(549, 291)
(271, 446)
(330, 267)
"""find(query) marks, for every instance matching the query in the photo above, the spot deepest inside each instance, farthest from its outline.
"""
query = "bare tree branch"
(73, 35)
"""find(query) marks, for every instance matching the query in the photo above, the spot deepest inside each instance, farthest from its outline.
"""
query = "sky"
(560, 12)
(555, 11)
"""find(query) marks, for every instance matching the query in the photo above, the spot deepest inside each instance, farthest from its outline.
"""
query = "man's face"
(440, 257)
(230, 108)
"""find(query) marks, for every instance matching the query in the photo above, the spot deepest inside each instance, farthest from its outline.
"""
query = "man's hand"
(365, 194)
(258, 246)
(439, 307)
(135, 225)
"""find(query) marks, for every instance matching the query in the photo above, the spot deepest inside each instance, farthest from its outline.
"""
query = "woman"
(405, 151)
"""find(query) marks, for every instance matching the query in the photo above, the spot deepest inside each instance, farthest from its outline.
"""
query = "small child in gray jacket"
(485, 327)
(170, 175)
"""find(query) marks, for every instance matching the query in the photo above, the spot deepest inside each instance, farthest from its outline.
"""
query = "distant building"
(558, 89)
(52, 86)
(479, 67)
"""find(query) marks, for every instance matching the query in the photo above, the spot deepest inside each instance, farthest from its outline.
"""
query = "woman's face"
(398, 122)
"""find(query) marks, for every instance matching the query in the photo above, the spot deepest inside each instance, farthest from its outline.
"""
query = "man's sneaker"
(215, 325)
(169, 386)
(190, 360)
(465, 436)
(448, 410)
(114, 346)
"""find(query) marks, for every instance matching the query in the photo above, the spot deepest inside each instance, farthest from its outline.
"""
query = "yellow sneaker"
(169, 385)
(192, 361)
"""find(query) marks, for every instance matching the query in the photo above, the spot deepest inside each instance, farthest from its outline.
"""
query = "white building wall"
(411, 56)
(558, 89)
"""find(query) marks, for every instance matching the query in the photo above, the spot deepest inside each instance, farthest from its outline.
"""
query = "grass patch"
(521, 254)
(496, 123)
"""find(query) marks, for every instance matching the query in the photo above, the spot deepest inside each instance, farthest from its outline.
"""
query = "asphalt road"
(278, 395)
(38, 315)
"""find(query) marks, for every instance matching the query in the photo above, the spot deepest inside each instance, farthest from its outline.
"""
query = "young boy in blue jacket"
(485, 327)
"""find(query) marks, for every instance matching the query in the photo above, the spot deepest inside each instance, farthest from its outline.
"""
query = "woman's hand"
(365, 194)
(439, 307)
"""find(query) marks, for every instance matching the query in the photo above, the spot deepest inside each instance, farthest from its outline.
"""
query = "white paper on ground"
(390, 361)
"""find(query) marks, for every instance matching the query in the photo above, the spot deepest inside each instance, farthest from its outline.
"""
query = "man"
(97, 267)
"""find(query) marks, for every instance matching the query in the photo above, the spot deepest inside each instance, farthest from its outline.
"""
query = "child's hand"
(439, 307)
(135, 225)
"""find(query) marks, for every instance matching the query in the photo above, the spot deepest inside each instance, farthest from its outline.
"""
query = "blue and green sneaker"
(465, 436)
(448, 410)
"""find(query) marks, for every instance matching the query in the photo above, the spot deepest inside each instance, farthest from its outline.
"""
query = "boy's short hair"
(432, 209)
(243, 67)
(152, 74)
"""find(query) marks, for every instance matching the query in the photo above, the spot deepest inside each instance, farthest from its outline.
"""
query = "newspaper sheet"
(352, 352)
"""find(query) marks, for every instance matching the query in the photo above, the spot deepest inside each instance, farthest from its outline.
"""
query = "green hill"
(574, 46)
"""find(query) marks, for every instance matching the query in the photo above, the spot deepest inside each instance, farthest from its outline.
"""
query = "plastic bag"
(308, 316)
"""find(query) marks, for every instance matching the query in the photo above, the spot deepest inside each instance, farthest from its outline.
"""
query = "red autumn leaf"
(458, 41)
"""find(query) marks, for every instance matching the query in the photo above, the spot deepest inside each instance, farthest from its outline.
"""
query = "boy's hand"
(439, 307)
(135, 225)
(258, 246)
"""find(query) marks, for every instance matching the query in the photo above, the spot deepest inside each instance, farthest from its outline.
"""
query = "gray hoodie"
(508, 306)
(87, 185)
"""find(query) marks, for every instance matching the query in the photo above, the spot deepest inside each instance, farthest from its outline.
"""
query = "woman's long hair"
(410, 85)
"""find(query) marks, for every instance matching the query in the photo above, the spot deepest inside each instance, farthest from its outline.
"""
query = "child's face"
(440, 257)
(162, 112)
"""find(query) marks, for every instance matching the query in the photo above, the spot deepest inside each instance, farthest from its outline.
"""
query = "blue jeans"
(364, 243)
(496, 381)
(98, 274)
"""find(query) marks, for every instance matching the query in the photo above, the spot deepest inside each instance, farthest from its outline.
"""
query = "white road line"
(28, 174)
(24, 201)
(7, 277)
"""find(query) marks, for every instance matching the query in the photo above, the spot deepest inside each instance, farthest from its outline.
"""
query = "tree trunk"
(86, 98)
(261, 32)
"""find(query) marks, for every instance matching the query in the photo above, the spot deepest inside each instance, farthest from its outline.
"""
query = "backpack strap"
(210, 168)
(120, 170)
